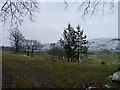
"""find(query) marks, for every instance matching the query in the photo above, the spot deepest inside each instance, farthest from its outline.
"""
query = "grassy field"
(41, 71)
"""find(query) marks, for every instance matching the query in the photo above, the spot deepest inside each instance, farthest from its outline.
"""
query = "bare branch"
(94, 8)
(89, 7)
(15, 11)
(66, 5)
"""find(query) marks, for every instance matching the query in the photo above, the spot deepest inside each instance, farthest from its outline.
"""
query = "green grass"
(41, 71)
(107, 58)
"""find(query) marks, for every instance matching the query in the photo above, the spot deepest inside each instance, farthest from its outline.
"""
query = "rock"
(116, 76)
(95, 87)
(90, 88)
(110, 77)
(107, 86)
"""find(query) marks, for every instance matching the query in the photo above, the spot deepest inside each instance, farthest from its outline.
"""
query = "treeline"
(71, 47)
(19, 42)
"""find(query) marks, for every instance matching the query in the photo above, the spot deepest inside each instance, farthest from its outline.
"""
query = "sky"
(53, 18)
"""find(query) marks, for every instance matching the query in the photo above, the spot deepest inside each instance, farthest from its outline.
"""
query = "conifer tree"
(74, 43)
(81, 43)
(69, 42)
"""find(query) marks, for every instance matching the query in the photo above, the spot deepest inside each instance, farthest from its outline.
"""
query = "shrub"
(103, 63)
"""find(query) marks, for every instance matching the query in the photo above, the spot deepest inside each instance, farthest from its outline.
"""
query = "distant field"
(42, 71)
(107, 58)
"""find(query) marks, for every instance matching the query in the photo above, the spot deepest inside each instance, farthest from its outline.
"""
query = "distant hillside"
(116, 39)
(100, 44)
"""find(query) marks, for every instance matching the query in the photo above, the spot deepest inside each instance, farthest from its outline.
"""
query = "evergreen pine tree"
(74, 43)
(69, 42)
(81, 44)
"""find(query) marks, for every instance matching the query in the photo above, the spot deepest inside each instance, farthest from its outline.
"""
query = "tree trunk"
(17, 49)
(32, 52)
(28, 52)
(68, 58)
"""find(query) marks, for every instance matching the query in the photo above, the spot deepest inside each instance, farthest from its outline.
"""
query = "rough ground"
(8, 80)
(40, 71)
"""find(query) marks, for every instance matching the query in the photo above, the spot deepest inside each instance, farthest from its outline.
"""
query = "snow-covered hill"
(101, 44)
(98, 45)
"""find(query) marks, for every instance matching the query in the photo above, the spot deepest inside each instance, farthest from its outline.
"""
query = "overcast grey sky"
(53, 19)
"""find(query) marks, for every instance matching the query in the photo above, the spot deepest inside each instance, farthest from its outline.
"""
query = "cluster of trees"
(56, 51)
(19, 42)
(72, 46)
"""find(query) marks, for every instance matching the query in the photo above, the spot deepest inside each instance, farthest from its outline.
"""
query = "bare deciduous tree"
(15, 11)
(35, 46)
(53, 47)
(27, 46)
(16, 39)
(31, 45)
